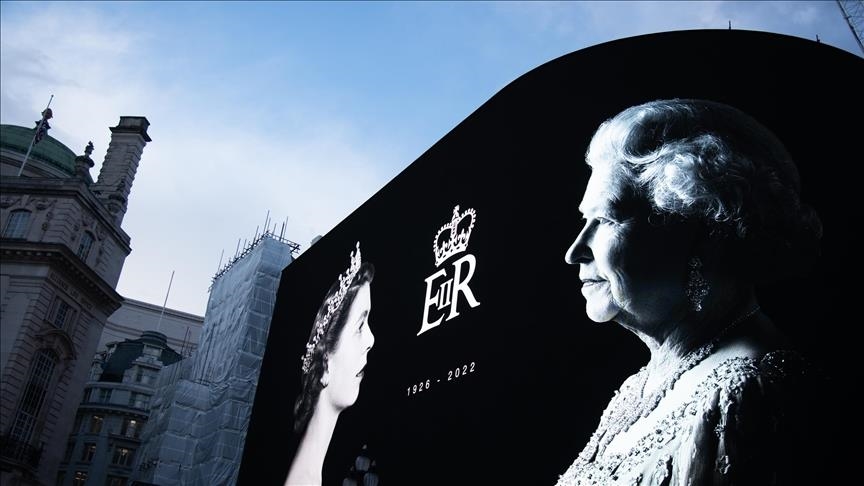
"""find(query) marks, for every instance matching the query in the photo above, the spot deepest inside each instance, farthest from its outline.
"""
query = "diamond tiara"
(333, 304)
(458, 241)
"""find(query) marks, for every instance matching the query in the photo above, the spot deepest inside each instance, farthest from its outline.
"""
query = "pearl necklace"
(628, 405)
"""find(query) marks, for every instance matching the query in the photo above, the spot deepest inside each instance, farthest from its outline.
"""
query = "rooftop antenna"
(159, 323)
(183, 347)
(220, 260)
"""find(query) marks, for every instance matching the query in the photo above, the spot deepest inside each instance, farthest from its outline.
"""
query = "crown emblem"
(333, 304)
(453, 237)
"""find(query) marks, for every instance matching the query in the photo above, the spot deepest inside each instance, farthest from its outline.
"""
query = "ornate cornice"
(61, 258)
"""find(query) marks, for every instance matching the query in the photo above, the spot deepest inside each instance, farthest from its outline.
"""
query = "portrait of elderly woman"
(689, 206)
(332, 368)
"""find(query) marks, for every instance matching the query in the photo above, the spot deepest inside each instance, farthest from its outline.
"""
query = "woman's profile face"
(346, 363)
(632, 271)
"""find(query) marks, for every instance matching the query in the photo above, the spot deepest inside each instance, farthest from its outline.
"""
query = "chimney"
(128, 139)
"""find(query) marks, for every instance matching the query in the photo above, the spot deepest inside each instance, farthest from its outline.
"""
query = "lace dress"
(743, 424)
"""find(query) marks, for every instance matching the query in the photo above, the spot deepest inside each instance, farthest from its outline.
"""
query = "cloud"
(589, 23)
(83, 67)
(204, 206)
(245, 125)
(214, 167)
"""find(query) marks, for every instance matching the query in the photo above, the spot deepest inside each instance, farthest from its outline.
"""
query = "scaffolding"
(853, 14)
(201, 408)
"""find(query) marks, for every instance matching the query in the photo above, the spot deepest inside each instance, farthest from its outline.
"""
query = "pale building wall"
(183, 330)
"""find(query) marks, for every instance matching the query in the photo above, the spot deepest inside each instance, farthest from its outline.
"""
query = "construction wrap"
(200, 411)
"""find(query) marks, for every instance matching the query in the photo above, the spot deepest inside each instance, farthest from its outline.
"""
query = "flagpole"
(164, 304)
(38, 127)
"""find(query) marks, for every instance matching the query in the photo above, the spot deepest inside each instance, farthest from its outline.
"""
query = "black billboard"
(474, 359)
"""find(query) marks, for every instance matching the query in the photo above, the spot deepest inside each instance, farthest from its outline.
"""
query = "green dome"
(48, 150)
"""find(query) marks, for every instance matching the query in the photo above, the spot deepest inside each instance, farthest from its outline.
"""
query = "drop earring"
(697, 286)
(324, 380)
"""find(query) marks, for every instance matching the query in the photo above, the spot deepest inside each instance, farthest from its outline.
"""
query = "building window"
(96, 422)
(80, 478)
(88, 452)
(143, 376)
(16, 227)
(62, 314)
(85, 245)
(139, 400)
(105, 395)
(130, 428)
(69, 448)
(115, 481)
(41, 372)
(122, 456)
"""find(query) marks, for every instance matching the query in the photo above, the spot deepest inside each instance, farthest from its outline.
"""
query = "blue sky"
(302, 109)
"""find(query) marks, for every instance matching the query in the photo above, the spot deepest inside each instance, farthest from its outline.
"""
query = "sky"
(301, 109)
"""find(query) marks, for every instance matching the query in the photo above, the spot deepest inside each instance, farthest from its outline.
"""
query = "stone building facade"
(139, 339)
(61, 253)
(106, 434)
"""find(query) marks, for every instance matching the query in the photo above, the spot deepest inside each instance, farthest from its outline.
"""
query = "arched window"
(41, 372)
(85, 245)
(16, 226)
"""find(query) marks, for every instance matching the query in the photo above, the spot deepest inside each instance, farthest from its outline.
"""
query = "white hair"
(710, 162)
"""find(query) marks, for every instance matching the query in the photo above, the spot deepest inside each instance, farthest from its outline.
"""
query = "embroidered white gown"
(735, 426)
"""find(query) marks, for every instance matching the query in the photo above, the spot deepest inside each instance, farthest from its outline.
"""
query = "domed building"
(62, 247)
(48, 158)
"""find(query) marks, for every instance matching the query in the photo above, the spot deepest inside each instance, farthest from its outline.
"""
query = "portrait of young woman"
(332, 368)
(690, 204)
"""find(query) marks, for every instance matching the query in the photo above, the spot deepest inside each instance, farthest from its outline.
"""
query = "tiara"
(333, 304)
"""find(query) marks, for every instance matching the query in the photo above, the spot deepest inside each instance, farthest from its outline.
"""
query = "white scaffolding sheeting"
(200, 411)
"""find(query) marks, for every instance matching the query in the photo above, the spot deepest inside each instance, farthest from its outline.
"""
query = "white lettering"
(447, 293)
(462, 285)
(430, 301)
(444, 294)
